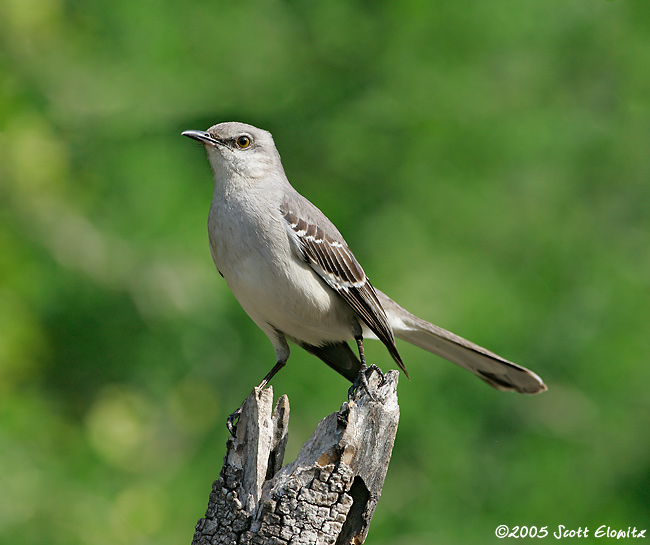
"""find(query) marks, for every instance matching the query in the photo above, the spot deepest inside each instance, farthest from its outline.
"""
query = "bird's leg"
(279, 365)
(231, 422)
(364, 370)
(364, 366)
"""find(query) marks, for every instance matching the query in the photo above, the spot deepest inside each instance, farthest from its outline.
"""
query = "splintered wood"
(326, 496)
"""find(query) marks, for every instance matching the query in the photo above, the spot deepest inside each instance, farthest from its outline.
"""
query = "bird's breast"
(253, 253)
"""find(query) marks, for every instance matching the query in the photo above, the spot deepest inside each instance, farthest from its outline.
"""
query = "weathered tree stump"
(326, 496)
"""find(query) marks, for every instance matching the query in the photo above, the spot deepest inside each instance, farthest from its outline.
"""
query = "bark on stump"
(326, 496)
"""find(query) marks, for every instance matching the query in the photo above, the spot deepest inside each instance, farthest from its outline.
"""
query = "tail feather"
(338, 356)
(489, 367)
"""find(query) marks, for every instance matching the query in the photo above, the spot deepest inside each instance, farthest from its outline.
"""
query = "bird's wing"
(321, 246)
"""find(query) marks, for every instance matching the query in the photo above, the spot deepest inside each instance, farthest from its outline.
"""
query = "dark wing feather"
(331, 258)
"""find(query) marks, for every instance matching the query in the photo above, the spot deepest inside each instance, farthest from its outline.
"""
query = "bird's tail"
(489, 367)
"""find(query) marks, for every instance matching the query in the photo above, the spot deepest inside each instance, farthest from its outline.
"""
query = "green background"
(487, 162)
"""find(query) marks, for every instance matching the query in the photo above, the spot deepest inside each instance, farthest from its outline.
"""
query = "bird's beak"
(202, 136)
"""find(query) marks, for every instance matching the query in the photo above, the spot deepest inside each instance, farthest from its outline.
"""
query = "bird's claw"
(362, 380)
(232, 421)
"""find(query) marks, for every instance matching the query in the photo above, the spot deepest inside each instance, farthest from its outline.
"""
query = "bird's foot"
(362, 380)
(233, 420)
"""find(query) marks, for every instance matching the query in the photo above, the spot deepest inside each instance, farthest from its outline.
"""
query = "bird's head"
(237, 149)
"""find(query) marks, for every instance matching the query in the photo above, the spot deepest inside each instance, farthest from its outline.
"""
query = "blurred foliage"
(488, 162)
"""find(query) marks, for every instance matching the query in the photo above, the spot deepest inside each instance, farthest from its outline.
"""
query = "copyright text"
(563, 532)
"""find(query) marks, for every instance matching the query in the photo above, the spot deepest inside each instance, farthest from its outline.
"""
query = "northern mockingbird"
(294, 275)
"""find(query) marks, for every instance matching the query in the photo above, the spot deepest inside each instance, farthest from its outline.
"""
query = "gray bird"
(294, 275)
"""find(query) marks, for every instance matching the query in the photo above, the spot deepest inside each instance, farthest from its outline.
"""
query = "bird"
(292, 272)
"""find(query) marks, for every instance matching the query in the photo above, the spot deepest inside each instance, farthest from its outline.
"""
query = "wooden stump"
(326, 496)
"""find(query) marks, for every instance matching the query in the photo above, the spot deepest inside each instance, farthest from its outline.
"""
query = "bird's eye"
(243, 142)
